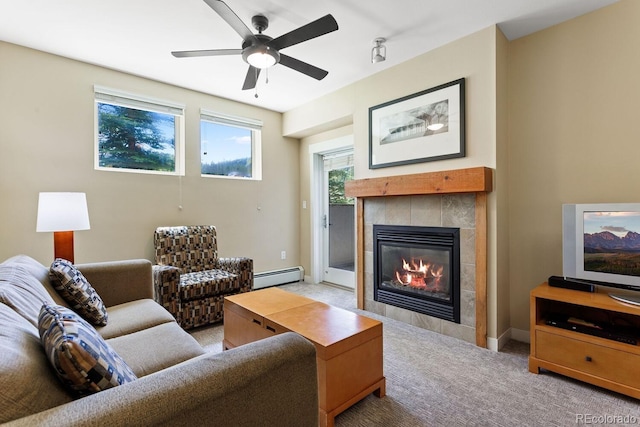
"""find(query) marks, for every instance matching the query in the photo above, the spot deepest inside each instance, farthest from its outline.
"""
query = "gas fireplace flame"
(421, 275)
(437, 272)
(420, 268)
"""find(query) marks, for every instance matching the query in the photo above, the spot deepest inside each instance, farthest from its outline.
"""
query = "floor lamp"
(62, 213)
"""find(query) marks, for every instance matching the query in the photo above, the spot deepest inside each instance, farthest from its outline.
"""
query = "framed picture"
(421, 127)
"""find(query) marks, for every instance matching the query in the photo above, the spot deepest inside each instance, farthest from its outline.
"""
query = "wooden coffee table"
(348, 346)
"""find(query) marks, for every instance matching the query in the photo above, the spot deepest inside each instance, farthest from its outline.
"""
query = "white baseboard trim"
(520, 335)
(266, 279)
(495, 344)
(492, 344)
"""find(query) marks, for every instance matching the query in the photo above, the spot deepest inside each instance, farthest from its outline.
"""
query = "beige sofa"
(269, 382)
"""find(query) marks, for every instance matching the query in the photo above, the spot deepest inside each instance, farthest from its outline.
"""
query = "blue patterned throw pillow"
(83, 361)
(77, 292)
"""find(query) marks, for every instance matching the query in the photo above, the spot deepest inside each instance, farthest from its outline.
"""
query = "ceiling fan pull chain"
(256, 86)
(266, 77)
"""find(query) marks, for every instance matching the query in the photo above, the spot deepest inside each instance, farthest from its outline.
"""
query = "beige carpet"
(435, 380)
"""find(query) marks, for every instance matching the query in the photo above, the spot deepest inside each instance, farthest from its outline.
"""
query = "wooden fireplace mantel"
(472, 180)
(478, 180)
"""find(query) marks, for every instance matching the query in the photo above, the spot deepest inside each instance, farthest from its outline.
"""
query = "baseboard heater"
(277, 277)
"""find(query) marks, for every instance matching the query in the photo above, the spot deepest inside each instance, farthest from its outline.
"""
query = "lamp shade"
(62, 212)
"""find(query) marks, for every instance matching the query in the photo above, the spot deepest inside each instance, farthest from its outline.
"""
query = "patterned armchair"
(190, 280)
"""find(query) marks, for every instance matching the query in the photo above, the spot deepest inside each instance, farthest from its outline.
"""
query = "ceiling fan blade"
(206, 52)
(303, 67)
(314, 29)
(251, 79)
(231, 18)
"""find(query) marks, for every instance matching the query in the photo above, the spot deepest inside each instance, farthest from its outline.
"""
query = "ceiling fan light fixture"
(261, 56)
(379, 51)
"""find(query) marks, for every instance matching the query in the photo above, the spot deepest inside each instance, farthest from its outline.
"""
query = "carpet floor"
(436, 380)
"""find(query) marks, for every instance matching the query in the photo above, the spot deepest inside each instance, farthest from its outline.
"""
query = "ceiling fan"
(261, 51)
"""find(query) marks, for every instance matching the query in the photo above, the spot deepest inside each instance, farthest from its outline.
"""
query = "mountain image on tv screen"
(612, 242)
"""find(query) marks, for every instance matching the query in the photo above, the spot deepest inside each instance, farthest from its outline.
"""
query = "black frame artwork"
(422, 127)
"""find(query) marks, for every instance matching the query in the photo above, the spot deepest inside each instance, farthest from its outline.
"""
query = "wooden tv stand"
(604, 362)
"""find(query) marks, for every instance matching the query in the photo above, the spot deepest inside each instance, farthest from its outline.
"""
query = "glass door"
(338, 221)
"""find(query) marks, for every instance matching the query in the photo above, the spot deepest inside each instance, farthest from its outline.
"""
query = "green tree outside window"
(337, 178)
(130, 138)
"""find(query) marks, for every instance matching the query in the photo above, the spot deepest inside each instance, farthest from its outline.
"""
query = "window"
(138, 134)
(339, 167)
(230, 146)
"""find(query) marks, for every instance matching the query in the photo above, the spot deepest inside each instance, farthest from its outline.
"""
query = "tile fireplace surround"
(456, 198)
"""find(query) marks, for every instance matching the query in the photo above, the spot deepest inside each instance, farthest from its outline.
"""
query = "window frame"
(103, 95)
(254, 125)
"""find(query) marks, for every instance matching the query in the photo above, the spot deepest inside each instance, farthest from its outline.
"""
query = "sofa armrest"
(118, 282)
(241, 266)
(269, 382)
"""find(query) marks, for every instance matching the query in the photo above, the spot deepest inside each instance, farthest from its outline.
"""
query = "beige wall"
(573, 134)
(46, 141)
(501, 185)
(472, 57)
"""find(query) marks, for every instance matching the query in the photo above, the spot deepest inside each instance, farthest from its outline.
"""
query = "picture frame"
(423, 127)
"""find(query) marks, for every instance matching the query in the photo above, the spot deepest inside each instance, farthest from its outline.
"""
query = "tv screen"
(601, 243)
(612, 242)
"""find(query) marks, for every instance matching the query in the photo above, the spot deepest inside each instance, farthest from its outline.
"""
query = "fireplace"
(418, 269)
(452, 198)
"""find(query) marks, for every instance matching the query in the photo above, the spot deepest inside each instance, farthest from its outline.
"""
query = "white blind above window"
(226, 119)
(338, 160)
(113, 96)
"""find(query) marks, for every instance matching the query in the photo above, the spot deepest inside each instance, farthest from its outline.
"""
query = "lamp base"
(63, 245)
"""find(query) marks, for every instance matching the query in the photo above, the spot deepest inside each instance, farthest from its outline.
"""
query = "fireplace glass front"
(418, 269)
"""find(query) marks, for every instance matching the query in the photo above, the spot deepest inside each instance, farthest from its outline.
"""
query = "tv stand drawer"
(605, 362)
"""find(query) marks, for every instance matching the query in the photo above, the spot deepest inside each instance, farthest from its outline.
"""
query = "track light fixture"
(379, 51)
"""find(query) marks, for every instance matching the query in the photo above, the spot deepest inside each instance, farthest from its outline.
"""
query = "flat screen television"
(601, 244)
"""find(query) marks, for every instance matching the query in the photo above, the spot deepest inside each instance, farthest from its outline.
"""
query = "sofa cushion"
(41, 273)
(84, 362)
(153, 349)
(27, 382)
(201, 284)
(134, 316)
(21, 291)
(77, 291)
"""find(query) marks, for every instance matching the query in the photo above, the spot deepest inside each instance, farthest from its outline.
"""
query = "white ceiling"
(136, 36)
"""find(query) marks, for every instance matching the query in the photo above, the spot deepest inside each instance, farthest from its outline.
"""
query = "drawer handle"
(257, 321)
(588, 359)
(269, 328)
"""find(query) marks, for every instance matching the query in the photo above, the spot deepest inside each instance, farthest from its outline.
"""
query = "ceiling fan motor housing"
(260, 23)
